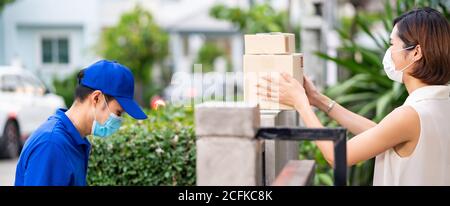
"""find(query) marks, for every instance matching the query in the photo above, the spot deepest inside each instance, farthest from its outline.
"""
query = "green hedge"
(157, 151)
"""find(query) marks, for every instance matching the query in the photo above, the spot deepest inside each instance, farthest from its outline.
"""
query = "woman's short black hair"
(82, 92)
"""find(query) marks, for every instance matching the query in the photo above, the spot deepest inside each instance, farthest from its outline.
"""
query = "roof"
(200, 21)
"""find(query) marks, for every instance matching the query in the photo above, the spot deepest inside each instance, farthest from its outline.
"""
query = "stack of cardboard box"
(269, 54)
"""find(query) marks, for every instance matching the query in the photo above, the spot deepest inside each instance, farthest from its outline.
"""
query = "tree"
(207, 54)
(138, 43)
(259, 18)
(4, 2)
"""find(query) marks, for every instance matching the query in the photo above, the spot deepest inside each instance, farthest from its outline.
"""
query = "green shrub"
(156, 151)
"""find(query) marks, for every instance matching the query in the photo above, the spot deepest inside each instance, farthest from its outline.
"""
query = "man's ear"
(95, 97)
(417, 53)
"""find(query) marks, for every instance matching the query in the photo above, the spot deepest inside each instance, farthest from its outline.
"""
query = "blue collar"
(71, 129)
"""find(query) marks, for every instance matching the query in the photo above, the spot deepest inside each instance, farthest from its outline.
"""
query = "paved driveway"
(7, 171)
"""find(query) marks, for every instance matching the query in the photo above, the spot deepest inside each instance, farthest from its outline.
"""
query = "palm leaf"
(367, 108)
(383, 105)
(356, 97)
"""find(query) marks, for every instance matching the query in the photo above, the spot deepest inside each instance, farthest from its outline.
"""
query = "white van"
(25, 103)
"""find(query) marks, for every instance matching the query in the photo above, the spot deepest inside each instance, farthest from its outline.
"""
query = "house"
(49, 37)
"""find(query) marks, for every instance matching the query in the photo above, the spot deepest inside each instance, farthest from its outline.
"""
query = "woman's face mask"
(111, 125)
(389, 66)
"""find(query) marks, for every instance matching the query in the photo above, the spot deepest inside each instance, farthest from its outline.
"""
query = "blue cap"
(115, 80)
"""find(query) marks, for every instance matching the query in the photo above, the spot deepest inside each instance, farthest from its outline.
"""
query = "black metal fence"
(337, 135)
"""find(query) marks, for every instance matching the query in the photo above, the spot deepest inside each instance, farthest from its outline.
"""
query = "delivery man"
(57, 152)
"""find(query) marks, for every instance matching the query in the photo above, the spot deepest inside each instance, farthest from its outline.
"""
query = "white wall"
(2, 45)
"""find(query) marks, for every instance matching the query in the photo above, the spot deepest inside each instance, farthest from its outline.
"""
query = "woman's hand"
(285, 90)
(313, 94)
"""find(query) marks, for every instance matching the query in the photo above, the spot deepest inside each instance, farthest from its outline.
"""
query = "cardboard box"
(257, 66)
(269, 43)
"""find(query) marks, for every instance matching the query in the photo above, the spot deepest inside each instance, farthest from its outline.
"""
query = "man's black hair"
(82, 92)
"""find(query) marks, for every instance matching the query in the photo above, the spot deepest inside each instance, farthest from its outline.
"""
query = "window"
(55, 50)
(10, 83)
(32, 85)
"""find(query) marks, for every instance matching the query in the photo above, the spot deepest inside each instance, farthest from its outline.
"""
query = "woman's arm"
(400, 126)
(355, 123)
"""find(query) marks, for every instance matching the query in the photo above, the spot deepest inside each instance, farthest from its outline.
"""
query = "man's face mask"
(111, 125)
(389, 66)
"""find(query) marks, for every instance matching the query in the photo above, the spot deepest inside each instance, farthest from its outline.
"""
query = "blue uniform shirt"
(55, 154)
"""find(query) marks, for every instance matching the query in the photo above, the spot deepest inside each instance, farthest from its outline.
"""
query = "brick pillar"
(227, 151)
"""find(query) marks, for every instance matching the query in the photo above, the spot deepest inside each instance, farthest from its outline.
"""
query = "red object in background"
(191, 93)
(156, 102)
(12, 115)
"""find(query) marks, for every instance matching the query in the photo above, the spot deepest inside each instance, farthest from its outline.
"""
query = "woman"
(412, 143)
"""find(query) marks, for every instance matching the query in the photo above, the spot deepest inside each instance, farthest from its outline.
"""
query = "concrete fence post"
(227, 151)
(278, 153)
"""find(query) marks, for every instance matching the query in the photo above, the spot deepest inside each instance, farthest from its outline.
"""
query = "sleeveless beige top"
(429, 164)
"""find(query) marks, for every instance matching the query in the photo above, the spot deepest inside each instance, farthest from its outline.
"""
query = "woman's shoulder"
(405, 120)
(404, 112)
